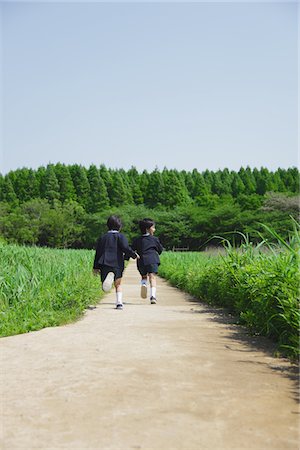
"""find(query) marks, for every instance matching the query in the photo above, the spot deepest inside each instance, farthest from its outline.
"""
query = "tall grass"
(42, 287)
(260, 284)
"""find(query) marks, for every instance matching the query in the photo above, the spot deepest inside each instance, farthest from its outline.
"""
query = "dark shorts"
(149, 268)
(104, 270)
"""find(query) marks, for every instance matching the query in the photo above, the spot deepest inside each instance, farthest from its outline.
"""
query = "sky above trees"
(181, 85)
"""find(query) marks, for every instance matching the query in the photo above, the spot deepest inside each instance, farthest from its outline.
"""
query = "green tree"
(248, 180)
(200, 186)
(144, 184)
(237, 186)
(249, 202)
(17, 226)
(175, 192)
(292, 180)
(137, 195)
(208, 178)
(263, 181)
(51, 184)
(127, 184)
(119, 193)
(24, 183)
(277, 182)
(63, 225)
(155, 189)
(40, 179)
(226, 179)
(135, 185)
(66, 186)
(189, 183)
(8, 194)
(81, 184)
(20, 184)
(217, 185)
(34, 211)
(98, 198)
(32, 185)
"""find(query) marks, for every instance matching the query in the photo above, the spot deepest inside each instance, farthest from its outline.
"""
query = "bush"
(259, 284)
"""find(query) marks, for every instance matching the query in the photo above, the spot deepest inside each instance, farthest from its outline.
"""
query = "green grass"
(41, 287)
(258, 284)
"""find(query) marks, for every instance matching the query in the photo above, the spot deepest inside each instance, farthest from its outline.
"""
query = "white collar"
(113, 231)
(147, 234)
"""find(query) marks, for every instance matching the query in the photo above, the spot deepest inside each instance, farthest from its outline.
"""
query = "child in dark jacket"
(112, 247)
(148, 248)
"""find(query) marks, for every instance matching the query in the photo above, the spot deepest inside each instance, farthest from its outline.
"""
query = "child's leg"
(119, 300)
(152, 278)
(107, 277)
(144, 286)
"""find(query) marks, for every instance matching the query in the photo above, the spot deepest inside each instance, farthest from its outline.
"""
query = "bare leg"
(118, 286)
(118, 291)
(152, 279)
(144, 286)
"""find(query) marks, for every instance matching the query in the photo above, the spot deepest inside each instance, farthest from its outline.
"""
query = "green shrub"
(259, 284)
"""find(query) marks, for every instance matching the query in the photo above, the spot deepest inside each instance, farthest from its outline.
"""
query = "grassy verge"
(42, 287)
(260, 287)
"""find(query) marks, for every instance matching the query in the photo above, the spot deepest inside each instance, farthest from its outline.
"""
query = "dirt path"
(175, 375)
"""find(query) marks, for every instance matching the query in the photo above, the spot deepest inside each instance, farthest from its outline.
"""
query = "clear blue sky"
(182, 85)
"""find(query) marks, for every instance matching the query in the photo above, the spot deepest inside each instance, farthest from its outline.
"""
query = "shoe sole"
(143, 291)
(119, 306)
(107, 283)
(153, 302)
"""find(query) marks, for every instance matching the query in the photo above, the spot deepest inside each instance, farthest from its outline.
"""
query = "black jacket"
(148, 247)
(111, 250)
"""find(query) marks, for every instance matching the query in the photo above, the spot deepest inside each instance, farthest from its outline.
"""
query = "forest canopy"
(67, 205)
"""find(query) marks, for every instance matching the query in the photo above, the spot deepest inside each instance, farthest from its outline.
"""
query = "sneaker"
(153, 300)
(119, 306)
(107, 283)
(143, 290)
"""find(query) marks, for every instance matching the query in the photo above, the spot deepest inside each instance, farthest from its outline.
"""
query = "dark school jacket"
(111, 249)
(148, 247)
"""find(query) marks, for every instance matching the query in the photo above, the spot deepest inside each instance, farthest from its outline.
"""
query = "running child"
(148, 248)
(112, 247)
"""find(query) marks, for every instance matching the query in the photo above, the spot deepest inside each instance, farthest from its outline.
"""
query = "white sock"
(119, 298)
(153, 292)
(144, 282)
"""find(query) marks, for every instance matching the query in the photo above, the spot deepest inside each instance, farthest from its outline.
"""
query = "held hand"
(96, 272)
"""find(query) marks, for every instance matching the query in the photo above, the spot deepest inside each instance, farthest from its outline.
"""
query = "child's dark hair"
(114, 223)
(145, 224)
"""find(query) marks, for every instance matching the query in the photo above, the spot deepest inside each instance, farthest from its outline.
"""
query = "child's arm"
(134, 248)
(159, 247)
(125, 247)
(133, 245)
(97, 255)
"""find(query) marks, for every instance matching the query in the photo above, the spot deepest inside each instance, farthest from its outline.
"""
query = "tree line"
(67, 206)
(96, 188)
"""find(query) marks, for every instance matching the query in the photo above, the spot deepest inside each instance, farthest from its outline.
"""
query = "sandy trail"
(176, 375)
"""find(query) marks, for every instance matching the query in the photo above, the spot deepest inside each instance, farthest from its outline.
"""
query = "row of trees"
(65, 225)
(98, 188)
